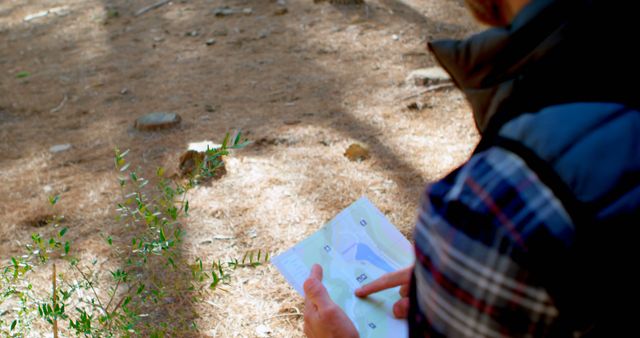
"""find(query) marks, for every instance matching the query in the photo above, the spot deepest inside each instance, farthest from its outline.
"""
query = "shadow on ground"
(90, 78)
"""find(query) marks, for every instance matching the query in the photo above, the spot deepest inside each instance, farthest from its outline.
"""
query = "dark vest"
(556, 89)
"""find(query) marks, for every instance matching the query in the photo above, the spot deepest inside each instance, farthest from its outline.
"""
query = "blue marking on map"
(364, 252)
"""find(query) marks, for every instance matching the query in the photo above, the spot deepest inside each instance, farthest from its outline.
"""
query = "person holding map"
(531, 236)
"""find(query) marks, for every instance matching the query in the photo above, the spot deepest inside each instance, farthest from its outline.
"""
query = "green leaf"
(67, 247)
(63, 231)
(186, 207)
(125, 167)
(126, 301)
(160, 172)
(173, 212)
(225, 141)
(216, 280)
(54, 199)
(110, 240)
(241, 145)
(13, 324)
(237, 139)
(23, 74)
(162, 235)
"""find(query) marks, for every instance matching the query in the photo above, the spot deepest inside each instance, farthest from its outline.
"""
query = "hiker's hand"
(322, 317)
(401, 278)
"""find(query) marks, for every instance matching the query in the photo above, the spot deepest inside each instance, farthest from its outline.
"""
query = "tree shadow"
(119, 67)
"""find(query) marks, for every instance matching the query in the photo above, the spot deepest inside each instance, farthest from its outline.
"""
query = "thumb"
(315, 291)
(316, 272)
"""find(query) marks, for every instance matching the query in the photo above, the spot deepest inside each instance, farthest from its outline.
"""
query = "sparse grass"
(324, 77)
(152, 272)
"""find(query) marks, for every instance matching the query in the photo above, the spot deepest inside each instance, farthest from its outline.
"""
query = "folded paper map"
(355, 248)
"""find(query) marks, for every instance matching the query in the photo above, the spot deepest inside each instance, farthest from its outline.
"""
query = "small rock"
(281, 3)
(211, 42)
(222, 11)
(206, 242)
(58, 148)
(158, 39)
(395, 37)
(281, 11)
(263, 331)
(428, 76)
(263, 34)
(356, 152)
(189, 162)
(247, 11)
(192, 33)
(47, 189)
(157, 120)
(124, 91)
(209, 108)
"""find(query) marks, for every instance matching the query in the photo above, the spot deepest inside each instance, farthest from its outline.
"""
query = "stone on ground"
(157, 120)
(356, 152)
(58, 148)
(428, 76)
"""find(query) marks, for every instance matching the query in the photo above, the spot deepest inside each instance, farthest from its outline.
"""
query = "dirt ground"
(302, 85)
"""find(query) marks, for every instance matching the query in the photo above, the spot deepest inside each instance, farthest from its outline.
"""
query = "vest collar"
(485, 65)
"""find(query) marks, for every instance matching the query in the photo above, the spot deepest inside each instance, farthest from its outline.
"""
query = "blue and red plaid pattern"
(478, 231)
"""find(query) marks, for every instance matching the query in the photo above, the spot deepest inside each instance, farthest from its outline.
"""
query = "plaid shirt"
(474, 245)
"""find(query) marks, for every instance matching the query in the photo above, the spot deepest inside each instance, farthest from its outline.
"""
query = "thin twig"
(126, 294)
(114, 294)
(432, 88)
(151, 7)
(55, 301)
(57, 108)
(297, 313)
(92, 289)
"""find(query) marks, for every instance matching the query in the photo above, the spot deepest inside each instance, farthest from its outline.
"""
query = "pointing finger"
(387, 281)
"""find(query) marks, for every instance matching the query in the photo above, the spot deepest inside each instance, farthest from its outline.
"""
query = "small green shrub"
(82, 303)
